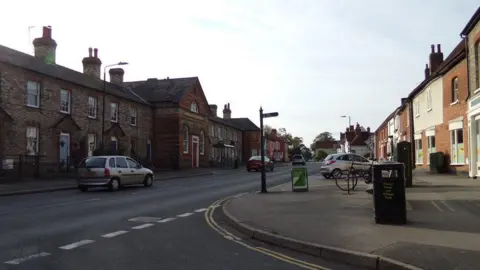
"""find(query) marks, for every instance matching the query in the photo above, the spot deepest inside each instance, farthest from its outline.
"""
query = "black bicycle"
(352, 175)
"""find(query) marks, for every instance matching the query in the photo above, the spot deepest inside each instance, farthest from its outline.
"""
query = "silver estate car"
(112, 172)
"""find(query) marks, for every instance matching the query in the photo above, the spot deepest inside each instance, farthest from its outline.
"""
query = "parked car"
(112, 172)
(255, 164)
(334, 164)
(298, 159)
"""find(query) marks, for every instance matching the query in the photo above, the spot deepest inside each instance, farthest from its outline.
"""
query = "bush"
(321, 155)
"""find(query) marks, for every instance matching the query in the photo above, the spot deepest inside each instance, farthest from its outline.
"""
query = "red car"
(255, 164)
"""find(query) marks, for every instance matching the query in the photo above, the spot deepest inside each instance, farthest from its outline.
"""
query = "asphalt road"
(136, 228)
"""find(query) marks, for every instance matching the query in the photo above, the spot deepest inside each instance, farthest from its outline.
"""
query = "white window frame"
(202, 143)
(65, 105)
(133, 116)
(212, 130)
(186, 136)
(31, 92)
(431, 149)
(92, 107)
(429, 100)
(114, 112)
(219, 133)
(32, 140)
(454, 145)
(418, 161)
(455, 90)
(194, 107)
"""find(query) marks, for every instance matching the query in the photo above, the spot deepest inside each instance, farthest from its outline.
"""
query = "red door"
(195, 155)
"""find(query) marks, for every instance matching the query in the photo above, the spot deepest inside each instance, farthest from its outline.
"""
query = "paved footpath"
(443, 230)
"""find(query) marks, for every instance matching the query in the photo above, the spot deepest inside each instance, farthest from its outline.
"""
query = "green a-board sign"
(299, 179)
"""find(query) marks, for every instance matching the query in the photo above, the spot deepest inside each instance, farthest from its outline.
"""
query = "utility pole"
(262, 146)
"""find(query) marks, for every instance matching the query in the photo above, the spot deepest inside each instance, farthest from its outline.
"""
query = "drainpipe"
(465, 39)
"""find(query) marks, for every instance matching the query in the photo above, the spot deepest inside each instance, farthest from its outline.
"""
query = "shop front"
(473, 136)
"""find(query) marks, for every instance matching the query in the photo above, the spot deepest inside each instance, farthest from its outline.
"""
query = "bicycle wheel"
(344, 182)
(353, 178)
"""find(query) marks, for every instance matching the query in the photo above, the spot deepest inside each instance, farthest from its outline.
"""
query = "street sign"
(299, 179)
(272, 114)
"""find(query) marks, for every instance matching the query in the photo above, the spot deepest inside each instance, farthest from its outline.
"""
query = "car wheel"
(337, 173)
(148, 182)
(114, 184)
(327, 176)
(83, 188)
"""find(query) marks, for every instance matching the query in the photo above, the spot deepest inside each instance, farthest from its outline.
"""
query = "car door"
(135, 170)
(123, 171)
(343, 162)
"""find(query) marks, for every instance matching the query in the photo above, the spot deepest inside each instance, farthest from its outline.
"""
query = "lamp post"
(262, 146)
(346, 138)
(349, 119)
(104, 94)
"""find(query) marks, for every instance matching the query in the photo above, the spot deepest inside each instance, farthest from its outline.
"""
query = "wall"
(473, 38)
(429, 118)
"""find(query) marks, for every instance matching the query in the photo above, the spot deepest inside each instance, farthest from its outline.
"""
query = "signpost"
(262, 147)
(299, 179)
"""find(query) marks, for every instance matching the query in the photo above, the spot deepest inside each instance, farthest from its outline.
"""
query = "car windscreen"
(297, 156)
(255, 158)
(329, 157)
(93, 163)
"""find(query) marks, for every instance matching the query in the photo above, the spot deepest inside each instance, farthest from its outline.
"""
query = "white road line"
(77, 244)
(436, 206)
(409, 206)
(143, 226)
(26, 258)
(113, 234)
(448, 206)
(166, 220)
(200, 210)
(185, 215)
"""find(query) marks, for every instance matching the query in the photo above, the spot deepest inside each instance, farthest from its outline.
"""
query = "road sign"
(272, 114)
(299, 179)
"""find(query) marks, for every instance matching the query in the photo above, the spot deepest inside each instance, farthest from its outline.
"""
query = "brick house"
(471, 39)
(54, 114)
(381, 139)
(275, 145)
(225, 139)
(355, 137)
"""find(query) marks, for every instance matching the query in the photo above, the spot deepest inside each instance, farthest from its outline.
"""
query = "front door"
(64, 149)
(194, 151)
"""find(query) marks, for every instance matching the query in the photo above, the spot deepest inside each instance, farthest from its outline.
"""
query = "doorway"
(64, 149)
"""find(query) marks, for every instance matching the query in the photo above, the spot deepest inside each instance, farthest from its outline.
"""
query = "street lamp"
(262, 146)
(104, 94)
(349, 119)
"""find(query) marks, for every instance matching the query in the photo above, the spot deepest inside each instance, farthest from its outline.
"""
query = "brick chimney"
(274, 131)
(227, 113)
(116, 75)
(403, 100)
(213, 109)
(45, 46)
(427, 71)
(436, 58)
(92, 64)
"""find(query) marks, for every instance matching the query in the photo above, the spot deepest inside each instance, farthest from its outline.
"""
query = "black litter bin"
(389, 199)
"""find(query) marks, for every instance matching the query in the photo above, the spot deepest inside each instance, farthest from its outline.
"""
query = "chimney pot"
(45, 46)
(433, 48)
(439, 48)
(90, 52)
(45, 32)
(95, 53)
(92, 65)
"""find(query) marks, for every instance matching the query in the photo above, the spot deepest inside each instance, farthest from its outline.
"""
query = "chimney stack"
(92, 64)
(213, 109)
(45, 46)
(227, 113)
(116, 75)
(403, 100)
(436, 58)
(427, 71)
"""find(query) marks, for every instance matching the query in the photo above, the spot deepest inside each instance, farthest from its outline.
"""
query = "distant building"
(356, 140)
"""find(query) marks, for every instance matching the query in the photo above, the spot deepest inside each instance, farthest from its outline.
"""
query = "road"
(136, 228)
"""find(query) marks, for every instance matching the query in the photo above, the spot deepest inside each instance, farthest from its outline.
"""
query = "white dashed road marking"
(76, 244)
(145, 219)
(26, 258)
(113, 234)
(166, 220)
(448, 206)
(200, 210)
(436, 206)
(185, 215)
(143, 226)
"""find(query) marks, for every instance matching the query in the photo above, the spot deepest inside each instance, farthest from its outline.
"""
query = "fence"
(24, 167)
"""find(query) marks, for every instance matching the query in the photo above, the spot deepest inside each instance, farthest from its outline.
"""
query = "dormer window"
(193, 107)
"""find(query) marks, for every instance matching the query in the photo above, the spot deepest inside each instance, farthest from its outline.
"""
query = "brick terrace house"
(275, 145)
(55, 114)
(356, 138)
(381, 139)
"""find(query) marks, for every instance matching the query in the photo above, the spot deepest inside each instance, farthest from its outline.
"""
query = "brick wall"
(251, 141)
(474, 76)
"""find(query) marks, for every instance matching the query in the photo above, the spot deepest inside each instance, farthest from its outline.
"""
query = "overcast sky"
(310, 60)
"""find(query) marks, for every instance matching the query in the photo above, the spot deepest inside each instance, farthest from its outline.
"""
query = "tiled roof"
(471, 23)
(225, 122)
(29, 62)
(384, 123)
(245, 124)
(164, 90)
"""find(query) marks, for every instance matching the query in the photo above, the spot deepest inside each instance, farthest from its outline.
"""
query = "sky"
(309, 60)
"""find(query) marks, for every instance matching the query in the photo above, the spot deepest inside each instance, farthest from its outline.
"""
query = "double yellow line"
(211, 222)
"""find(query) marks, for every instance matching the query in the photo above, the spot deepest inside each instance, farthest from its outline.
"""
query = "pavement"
(443, 229)
(162, 227)
(11, 188)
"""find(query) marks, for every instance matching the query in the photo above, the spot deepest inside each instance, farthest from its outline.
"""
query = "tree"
(321, 155)
(324, 137)
(267, 129)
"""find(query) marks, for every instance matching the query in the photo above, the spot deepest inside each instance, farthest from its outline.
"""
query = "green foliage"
(320, 155)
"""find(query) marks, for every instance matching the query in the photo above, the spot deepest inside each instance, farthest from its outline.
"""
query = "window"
(92, 107)
(456, 140)
(202, 143)
(133, 116)
(121, 163)
(193, 107)
(65, 101)
(477, 64)
(32, 140)
(33, 94)
(91, 144)
(455, 89)
(114, 112)
(430, 147)
(114, 144)
(429, 100)
(132, 164)
(212, 131)
(219, 133)
(416, 108)
(185, 140)
(418, 151)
